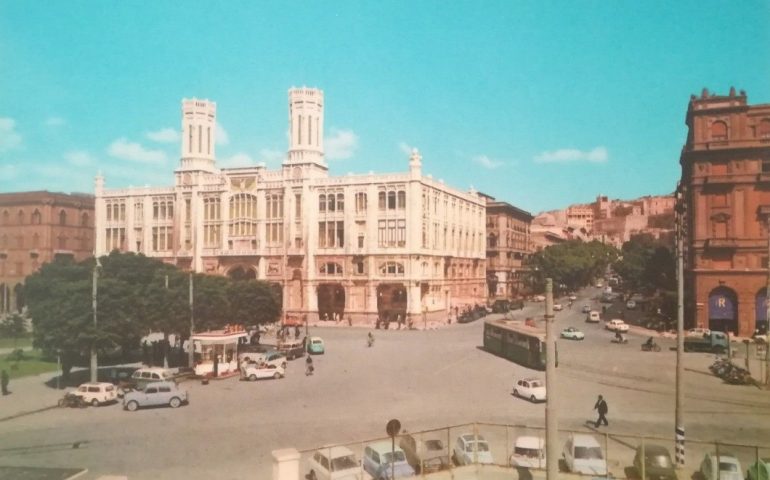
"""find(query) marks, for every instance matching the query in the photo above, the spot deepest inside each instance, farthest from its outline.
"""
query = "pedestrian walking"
(296, 331)
(601, 407)
(4, 381)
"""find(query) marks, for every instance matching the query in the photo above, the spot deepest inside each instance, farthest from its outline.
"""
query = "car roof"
(528, 441)
(652, 449)
(531, 379)
(336, 451)
(584, 440)
(316, 338)
(94, 384)
(383, 446)
(153, 369)
(724, 456)
(469, 437)
(161, 384)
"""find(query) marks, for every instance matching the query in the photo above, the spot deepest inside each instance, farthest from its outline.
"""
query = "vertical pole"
(679, 420)
(95, 280)
(551, 420)
(607, 455)
(643, 462)
(767, 311)
(191, 344)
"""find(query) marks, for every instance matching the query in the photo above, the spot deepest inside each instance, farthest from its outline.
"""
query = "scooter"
(650, 348)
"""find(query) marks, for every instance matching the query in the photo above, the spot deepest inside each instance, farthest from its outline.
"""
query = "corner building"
(726, 185)
(353, 246)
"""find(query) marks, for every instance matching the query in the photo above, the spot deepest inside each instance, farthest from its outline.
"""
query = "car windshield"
(663, 461)
(399, 456)
(343, 463)
(728, 467)
(588, 453)
(527, 452)
(434, 445)
(481, 446)
(536, 383)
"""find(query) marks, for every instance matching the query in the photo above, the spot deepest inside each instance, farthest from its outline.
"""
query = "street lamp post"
(767, 304)
(678, 414)
(551, 420)
(94, 288)
(191, 344)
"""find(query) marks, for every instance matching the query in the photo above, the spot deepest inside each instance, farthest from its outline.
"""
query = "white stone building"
(353, 246)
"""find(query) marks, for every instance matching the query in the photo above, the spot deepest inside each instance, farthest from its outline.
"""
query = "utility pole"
(767, 312)
(551, 420)
(191, 344)
(679, 420)
(94, 288)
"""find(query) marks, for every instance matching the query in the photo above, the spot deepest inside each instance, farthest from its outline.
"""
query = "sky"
(540, 104)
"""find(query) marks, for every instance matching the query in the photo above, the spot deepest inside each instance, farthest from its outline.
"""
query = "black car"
(657, 463)
(501, 306)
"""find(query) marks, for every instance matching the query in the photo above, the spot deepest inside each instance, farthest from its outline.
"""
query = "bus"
(513, 339)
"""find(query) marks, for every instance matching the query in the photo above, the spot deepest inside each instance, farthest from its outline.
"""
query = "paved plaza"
(426, 379)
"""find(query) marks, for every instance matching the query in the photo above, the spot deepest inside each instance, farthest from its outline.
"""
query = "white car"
(530, 388)
(557, 307)
(471, 449)
(334, 463)
(528, 452)
(630, 304)
(593, 317)
(583, 454)
(726, 467)
(254, 371)
(572, 333)
(586, 309)
(616, 325)
(539, 298)
(97, 393)
(573, 297)
(698, 332)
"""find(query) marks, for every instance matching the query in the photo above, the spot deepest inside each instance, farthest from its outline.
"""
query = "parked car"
(315, 346)
(759, 470)
(380, 459)
(698, 332)
(582, 454)
(586, 309)
(528, 452)
(726, 467)
(97, 393)
(255, 371)
(572, 297)
(539, 298)
(657, 463)
(572, 333)
(292, 349)
(530, 388)
(272, 357)
(146, 375)
(630, 304)
(593, 317)
(470, 448)
(425, 455)
(616, 325)
(501, 306)
(334, 463)
(557, 307)
(154, 394)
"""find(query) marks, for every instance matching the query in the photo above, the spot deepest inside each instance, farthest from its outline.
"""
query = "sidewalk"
(30, 395)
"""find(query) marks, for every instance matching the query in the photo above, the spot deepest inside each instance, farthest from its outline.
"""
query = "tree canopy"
(573, 264)
(136, 295)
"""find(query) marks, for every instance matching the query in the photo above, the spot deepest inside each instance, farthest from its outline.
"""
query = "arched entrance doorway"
(723, 310)
(760, 306)
(242, 273)
(391, 302)
(331, 301)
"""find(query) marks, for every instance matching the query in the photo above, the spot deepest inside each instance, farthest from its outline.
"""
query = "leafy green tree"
(252, 302)
(13, 327)
(573, 264)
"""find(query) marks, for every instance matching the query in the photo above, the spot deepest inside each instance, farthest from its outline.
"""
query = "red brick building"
(508, 248)
(36, 227)
(726, 184)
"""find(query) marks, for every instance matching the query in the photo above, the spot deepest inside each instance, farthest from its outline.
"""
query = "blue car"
(378, 458)
(315, 346)
(155, 394)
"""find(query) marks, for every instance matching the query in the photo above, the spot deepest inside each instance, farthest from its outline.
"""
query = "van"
(292, 348)
(143, 376)
(583, 454)
(528, 452)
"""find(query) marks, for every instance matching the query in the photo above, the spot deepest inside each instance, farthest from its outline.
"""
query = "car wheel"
(132, 406)
(533, 399)
(252, 377)
(94, 403)
(277, 375)
(174, 403)
(515, 393)
(283, 365)
(312, 475)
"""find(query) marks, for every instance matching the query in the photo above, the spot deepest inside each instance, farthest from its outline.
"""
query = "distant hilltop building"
(398, 246)
(38, 227)
(613, 222)
(726, 191)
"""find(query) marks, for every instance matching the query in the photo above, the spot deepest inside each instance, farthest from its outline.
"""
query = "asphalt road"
(426, 379)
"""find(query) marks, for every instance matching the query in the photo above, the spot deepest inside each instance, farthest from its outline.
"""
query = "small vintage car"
(315, 345)
(616, 325)
(254, 371)
(97, 393)
(572, 333)
(292, 349)
(155, 394)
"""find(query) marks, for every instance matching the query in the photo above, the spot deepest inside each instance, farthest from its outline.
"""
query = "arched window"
(392, 269)
(21, 217)
(5, 218)
(719, 130)
(401, 200)
(62, 218)
(391, 200)
(330, 203)
(340, 202)
(492, 241)
(381, 200)
(764, 128)
(331, 268)
(84, 220)
(36, 217)
(322, 203)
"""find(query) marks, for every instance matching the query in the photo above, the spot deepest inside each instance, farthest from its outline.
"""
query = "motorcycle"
(650, 348)
(71, 400)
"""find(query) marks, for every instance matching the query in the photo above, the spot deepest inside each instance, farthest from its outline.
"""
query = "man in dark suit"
(601, 407)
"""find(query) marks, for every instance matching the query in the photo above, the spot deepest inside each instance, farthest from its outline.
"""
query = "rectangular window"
(360, 241)
(297, 206)
(391, 233)
(381, 236)
(340, 234)
(401, 233)
(381, 200)
(322, 234)
(360, 268)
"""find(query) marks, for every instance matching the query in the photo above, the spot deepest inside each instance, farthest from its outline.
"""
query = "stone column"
(286, 464)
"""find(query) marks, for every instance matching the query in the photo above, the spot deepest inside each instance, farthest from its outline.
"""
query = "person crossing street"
(601, 407)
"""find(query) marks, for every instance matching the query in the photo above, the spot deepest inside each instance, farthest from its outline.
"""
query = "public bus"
(513, 339)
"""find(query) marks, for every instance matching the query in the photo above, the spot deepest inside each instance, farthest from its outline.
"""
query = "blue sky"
(540, 104)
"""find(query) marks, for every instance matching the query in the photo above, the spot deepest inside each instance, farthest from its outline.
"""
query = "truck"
(714, 342)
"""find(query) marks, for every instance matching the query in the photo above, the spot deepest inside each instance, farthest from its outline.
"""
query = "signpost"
(392, 428)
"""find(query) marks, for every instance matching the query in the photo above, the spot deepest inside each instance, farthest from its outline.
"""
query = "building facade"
(508, 249)
(35, 228)
(393, 246)
(726, 185)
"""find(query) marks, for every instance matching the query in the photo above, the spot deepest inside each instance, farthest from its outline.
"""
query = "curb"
(30, 412)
